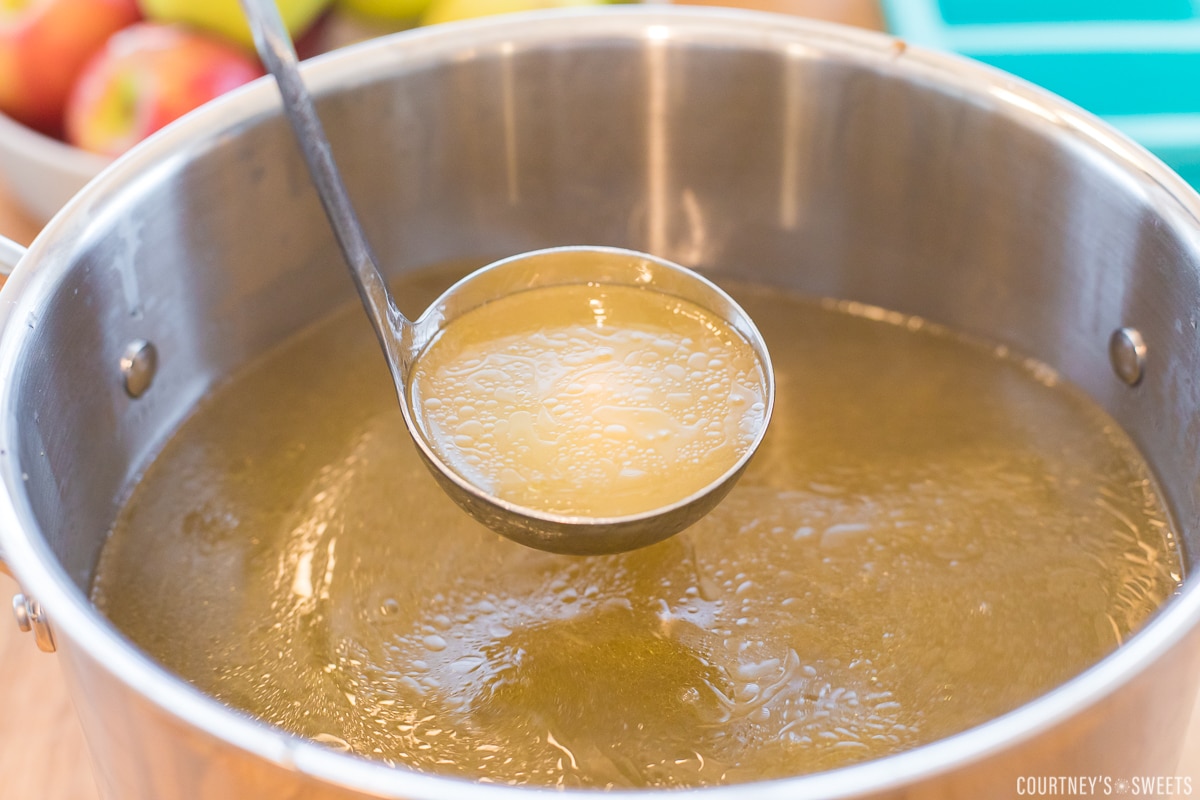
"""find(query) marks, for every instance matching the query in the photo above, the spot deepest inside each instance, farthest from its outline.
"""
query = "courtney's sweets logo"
(1104, 785)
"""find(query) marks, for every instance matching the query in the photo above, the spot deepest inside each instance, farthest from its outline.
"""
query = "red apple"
(43, 46)
(146, 76)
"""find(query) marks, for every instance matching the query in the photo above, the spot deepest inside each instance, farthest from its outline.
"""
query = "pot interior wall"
(831, 168)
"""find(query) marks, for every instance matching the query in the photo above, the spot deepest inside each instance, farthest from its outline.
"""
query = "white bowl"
(42, 173)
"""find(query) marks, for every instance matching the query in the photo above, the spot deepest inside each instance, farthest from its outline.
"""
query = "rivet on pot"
(1127, 352)
(31, 618)
(138, 365)
(21, 612)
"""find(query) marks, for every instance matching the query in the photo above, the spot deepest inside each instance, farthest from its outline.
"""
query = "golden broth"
(589, 400)
(932, 533)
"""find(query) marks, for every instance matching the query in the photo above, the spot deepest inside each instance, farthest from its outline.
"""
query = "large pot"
(826, 160)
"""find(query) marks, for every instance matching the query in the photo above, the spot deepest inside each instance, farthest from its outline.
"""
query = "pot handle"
(10, 254)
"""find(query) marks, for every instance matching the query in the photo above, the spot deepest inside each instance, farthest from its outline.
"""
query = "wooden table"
(42, 753)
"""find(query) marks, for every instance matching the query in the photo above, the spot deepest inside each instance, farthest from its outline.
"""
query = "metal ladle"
(403, 340)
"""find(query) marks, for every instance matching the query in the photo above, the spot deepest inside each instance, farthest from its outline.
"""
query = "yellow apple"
(451, 10)
(225, 17)
(386, 9)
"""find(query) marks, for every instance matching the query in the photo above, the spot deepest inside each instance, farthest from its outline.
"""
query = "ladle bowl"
(579, 535)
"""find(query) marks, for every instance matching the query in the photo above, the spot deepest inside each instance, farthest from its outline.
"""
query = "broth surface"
(932, 533)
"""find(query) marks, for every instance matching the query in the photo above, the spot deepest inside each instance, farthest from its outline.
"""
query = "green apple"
(451, 10)
(386, 9)
(225, 17)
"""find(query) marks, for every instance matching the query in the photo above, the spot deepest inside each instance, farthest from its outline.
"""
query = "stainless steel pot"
(822, 159)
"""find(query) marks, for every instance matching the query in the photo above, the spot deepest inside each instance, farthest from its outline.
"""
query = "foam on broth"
(933, 533)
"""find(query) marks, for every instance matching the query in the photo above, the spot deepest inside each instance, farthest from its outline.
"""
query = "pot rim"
(76, 621)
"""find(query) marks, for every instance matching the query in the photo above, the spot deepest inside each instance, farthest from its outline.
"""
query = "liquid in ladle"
(590, 400)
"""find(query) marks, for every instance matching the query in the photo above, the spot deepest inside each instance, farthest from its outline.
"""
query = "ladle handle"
(274, 46)
(10, 254)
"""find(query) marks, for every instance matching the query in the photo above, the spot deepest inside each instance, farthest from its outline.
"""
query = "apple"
(315, 39)
(43, 46)
(451, 10)
(393, 10)
(145, 76)
(225, 17)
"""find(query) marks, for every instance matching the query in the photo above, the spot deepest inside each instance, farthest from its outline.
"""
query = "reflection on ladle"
(536, 515)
